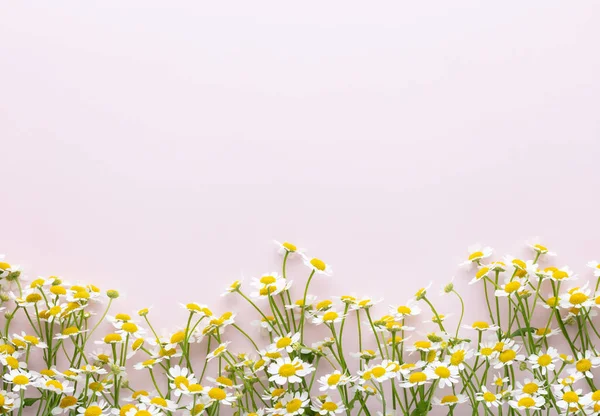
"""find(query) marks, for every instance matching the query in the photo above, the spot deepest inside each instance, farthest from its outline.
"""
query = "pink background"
(159, 150)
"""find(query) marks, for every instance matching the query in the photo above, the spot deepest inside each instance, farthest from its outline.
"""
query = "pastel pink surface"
(159, 150)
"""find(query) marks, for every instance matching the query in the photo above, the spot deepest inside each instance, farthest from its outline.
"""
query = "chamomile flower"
(333, 380)
(488, 398)
(536, 245)
(544, 361)
(481, 326)
(577, 297)
(32, 340)
(197, 309)
(180, 379)
(458, 355)
(532, 387)
(286, 342)
(318, 266)
(20, 379)
(55, 386)
(66, 405)
(287, 370)
(410, 308)
(560, 274)
(327, 406)
(585, 362)
(329, 317)
(527, 402)
(510, 287)
(508, 355)
(294, 403)
(69, 332)
(288, 248)
(233, 287)
(160, 403)
(450, 400)
(482, 272)
(417, 378)
(145, 410)
(446, 374)
(569, 399)
(378, 372)
(476, 254)
(545, 332)
(217, 352)
(98, 408)
(592, 399)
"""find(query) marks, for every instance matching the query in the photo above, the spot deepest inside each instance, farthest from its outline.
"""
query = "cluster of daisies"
(64, 362)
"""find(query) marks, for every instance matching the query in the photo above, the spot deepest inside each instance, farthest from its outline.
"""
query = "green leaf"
(30, 401)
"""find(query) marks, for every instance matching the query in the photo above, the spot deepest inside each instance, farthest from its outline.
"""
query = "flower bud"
(113, 294)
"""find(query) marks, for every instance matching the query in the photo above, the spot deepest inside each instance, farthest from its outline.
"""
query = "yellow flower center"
(442, 372)
(122, 317)
(596, 396)
(12, 362)
(486, 351)
(519, 263)
(324, 304)
(540, 248)
(110, 338)
(404, 310)
(67, 401)
(318, 264)
(482, 272)
(177, 337)
(287, 370)
(530, 388)
(513, 286)
(378, 371)
(31, 339)
(559, 274)
(457, 357)
(224, 380)
(93, 411)
(552, 301)
(283, 342)
(570, 397)
(583, 365)
(329, 406)
(526, 402)
(289, 246)
(4, 266)
(70, 330)
(267, 280)
(330, 316)
(293, 405)
(159, 401)
(489, 397)
(480, 325)
(33, 298)
(181, 381)
(544, 360)
(21, 380)
(423, 344)
(475, 255)
(143, 413)
(58, 290)
(449, 399)
(508, 355)
(333, 379)
(129, 327)
(578, 298)
(54, 383)
(417, 377)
